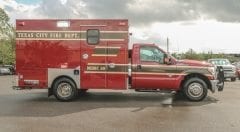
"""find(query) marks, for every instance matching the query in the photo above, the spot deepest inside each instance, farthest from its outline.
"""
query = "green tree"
(191, 54)
(7, 39)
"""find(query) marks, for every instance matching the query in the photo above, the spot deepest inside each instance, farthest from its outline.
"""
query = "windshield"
(220, 62)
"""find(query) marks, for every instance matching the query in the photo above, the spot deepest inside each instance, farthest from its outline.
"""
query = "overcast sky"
(203, 25)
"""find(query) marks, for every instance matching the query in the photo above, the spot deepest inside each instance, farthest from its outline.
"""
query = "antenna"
(167, 45)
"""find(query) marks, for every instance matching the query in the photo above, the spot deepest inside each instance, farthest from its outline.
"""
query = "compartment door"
(117, 60)
(93, 59)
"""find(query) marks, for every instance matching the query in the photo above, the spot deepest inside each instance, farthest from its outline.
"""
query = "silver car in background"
(5, 71)
(230, 71)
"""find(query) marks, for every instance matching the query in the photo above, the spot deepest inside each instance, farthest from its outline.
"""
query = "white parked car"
(5, 71)
(230, 71)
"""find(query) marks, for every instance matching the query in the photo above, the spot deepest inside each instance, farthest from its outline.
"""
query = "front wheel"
(195, 89)
(64, 89)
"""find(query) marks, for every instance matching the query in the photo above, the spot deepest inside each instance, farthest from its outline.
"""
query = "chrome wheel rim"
(64, 90)
(195, 90)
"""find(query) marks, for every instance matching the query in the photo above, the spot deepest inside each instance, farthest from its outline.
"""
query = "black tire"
(233, 79)
(65, 84)
(191, 86)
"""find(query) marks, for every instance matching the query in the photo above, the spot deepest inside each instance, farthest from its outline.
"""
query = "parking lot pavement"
(120, 111)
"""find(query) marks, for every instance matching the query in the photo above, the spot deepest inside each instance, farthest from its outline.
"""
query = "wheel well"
(198, 75)
(63, 77)
(50, 91)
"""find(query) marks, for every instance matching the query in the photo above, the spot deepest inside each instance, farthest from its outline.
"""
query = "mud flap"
(50, 92)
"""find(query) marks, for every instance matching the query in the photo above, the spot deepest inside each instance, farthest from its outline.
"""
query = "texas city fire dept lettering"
(47, 35)
(69, 35)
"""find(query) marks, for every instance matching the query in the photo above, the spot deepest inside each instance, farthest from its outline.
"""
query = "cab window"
(151, 54)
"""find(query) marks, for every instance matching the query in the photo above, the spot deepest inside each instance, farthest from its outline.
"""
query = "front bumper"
(217, 85)
(230, 75)
(16, 88)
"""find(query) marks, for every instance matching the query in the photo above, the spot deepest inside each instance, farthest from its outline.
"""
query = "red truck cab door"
(149, 70)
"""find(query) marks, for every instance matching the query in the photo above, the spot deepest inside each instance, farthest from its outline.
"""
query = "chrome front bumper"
(229, 75)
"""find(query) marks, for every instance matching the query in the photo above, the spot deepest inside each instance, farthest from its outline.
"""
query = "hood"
(227, 66)
(193, 63)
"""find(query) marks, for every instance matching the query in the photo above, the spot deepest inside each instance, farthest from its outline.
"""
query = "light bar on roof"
(63, 24)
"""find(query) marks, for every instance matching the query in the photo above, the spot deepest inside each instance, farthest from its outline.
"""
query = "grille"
(228, 69)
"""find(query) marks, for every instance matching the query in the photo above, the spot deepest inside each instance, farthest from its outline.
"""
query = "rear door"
(93, 60)
(117, 61)
(116, 36)
(104, 55)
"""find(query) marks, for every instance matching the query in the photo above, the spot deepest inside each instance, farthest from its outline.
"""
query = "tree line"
(7, 39)
(191, 54)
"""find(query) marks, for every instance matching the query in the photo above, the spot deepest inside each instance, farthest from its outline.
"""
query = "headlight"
(234, 69)
(212, 70)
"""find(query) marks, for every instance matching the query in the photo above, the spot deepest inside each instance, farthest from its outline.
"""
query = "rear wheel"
(64, 89)
(195, 89)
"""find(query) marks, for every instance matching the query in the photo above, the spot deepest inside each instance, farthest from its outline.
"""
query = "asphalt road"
(117, 111)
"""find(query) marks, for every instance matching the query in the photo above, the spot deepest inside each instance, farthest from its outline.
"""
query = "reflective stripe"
(104, 55)
(105, 72)
(154, 73)
(107, 47)
(93, 25)
(103, 64)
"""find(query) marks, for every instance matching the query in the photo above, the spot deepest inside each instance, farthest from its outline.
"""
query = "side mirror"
(167, 59)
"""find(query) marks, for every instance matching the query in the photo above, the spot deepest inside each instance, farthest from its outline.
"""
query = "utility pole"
(167, 45)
